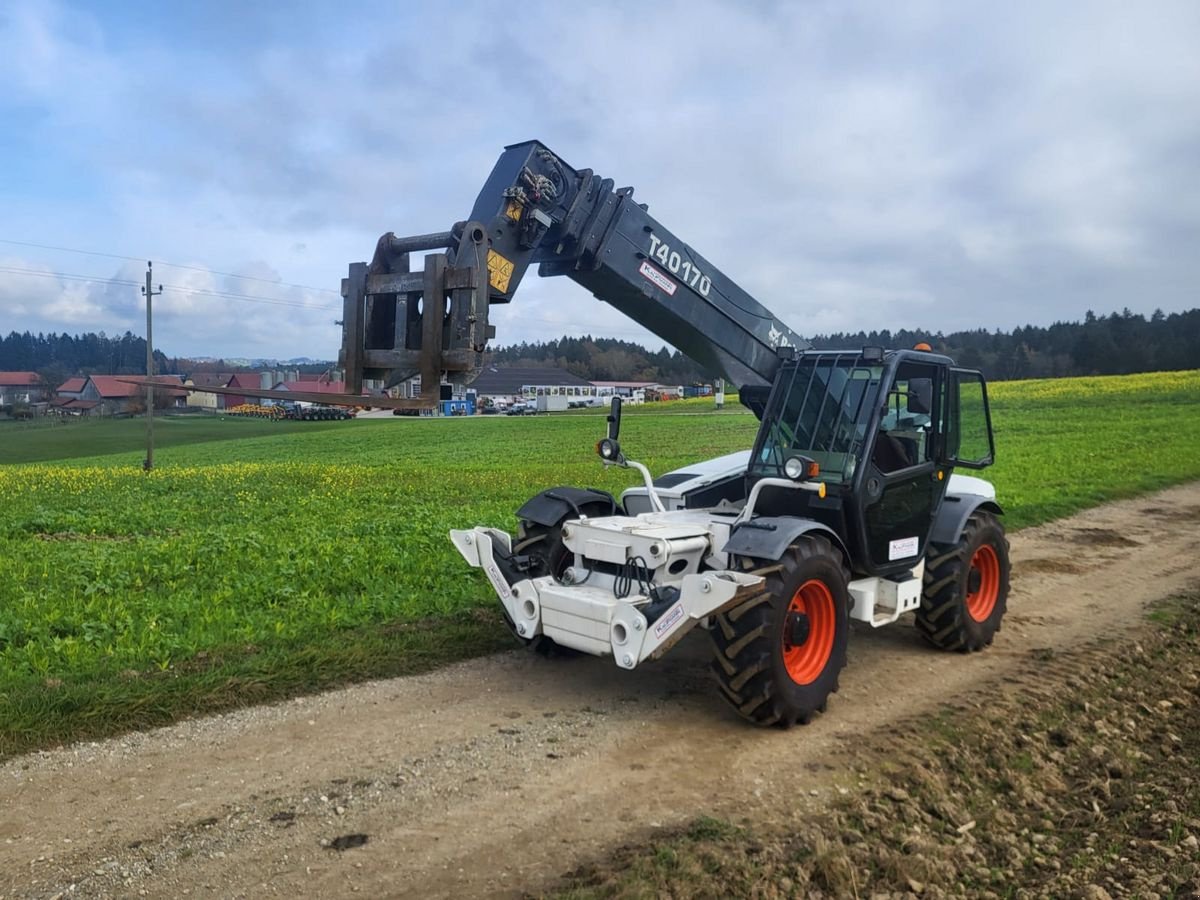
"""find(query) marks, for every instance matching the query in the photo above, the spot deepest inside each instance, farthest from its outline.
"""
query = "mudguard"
(767, 537)
(550, 507)
(952, 517)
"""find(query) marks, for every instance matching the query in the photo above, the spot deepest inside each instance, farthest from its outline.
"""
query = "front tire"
(966, 587)
(778, 655)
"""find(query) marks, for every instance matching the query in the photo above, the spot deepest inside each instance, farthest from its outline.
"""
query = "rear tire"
(778, 655)
(966, 587)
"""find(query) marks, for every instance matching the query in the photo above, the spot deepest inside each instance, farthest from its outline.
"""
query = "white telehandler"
(848, 507)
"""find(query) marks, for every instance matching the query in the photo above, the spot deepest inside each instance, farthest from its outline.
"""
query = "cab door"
(968, 442)
(903, 484)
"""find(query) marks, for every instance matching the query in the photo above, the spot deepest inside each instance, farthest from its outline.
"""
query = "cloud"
(852, 166)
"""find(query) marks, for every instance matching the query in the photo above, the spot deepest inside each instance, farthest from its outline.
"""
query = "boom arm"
(534, 208)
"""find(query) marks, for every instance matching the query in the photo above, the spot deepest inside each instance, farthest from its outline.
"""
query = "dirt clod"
(348, 842)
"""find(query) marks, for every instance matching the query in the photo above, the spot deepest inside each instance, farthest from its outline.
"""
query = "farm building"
(247, 381)
(643, 389)
(504, 384)
(313, 386)
(68, 398)
(111, 395)
(71, 389)
(21, 387)
(410, 388)
(203, 399)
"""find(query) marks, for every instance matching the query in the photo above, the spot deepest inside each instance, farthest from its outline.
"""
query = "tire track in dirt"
(496, 775)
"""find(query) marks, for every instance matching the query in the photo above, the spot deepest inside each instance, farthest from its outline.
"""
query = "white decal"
(669, 620)
(903, 548)
(777, 338)
(674, 263)
(497, 581)
(657, 278)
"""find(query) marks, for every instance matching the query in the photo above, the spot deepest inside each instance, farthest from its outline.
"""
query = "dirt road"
(497, 775)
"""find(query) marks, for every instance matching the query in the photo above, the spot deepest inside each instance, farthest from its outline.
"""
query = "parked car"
(521, 408)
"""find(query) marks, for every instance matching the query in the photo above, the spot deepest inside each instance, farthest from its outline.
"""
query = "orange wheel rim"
(805, 660)
(982, 601)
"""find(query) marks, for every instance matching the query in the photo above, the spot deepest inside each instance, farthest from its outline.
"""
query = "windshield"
(822, 414)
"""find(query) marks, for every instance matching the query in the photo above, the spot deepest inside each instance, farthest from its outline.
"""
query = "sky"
(851, 165)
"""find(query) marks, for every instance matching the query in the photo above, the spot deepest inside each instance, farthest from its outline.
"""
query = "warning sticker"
(903, 548)
(499, 271)
(669, 620)
(657, 278)
(513, 210)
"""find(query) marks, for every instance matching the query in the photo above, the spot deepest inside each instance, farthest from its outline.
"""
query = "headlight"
(608, 449)
(801, 468)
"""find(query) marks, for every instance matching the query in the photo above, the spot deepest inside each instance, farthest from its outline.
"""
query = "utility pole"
(149, 292)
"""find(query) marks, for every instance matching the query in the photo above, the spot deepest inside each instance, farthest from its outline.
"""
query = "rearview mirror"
(614, 419)
(920, 396)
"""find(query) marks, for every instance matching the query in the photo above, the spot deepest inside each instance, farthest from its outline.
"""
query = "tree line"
(57, 357)
(602, 359)
(1116, 344)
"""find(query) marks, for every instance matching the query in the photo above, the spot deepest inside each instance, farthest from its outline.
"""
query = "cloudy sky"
(851, 165)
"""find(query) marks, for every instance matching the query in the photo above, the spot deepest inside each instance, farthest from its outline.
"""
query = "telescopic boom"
(534, 208)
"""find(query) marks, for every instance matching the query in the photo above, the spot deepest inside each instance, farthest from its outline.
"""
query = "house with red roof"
(246, 381)
(113, 395)
(72, 388)
(68, 398)
(21, 387)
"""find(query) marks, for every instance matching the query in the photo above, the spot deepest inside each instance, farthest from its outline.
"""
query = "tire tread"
(743, 639)
(942, 617)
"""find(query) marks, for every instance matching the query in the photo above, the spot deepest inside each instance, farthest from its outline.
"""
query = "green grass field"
(46, 440)
(262, 559)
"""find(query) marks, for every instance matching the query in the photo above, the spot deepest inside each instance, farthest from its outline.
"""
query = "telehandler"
(848, 506)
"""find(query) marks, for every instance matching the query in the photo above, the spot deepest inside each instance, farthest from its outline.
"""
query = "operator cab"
(885, 429)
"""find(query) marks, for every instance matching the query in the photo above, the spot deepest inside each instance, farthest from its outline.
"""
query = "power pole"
(149, 292)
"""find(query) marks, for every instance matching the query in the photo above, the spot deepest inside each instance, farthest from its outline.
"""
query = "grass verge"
(1079, 782)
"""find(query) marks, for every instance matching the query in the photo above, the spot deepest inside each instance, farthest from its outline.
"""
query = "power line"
(307, 287)
(254, 298)
(249, 298)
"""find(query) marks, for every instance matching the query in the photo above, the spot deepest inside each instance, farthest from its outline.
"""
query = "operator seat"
(891, 454)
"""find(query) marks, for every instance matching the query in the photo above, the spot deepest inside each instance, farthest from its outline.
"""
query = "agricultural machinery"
(847, 508)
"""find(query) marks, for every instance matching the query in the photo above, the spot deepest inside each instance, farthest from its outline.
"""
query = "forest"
(1116, 344)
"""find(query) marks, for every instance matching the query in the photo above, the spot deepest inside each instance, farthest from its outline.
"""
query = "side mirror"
(614, 419)
(610, 448)
(920, 396)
